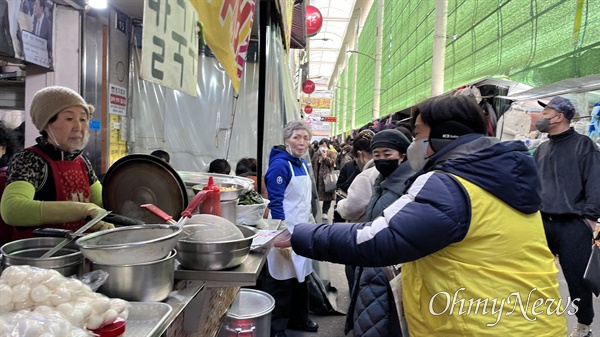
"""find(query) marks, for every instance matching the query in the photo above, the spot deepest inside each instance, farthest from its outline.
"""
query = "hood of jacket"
(504, 169)
(278, 152)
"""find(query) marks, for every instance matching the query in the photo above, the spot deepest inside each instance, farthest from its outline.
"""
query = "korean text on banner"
(170, 45)
(230, 21)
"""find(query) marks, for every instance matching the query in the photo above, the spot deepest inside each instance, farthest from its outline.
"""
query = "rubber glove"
(101, 225)
(54, 212)
(286, 252)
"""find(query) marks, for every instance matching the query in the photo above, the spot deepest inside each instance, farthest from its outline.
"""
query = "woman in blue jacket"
(290, 191)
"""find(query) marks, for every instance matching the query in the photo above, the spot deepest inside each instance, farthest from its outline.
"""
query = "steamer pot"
(68, 261)
(149, 281)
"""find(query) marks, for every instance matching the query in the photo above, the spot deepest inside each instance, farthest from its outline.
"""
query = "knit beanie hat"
(49, 101)
(392, 139)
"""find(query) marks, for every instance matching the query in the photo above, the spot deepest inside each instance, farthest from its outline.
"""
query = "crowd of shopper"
(456, 216)
(426, 221)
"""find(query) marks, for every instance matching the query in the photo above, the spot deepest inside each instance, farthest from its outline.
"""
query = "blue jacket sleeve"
(433, 214)
(277, 178)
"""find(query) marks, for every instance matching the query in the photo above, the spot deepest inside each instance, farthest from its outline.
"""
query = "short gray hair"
(292, 126)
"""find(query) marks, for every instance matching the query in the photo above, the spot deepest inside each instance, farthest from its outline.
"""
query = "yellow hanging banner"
(286, 8)
(226, 26)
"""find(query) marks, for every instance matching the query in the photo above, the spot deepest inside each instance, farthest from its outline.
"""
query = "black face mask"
(386, 166)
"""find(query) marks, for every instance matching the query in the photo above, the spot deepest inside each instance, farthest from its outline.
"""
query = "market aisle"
(330, 326)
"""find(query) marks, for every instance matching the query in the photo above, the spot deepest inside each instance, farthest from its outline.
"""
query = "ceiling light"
(359, 53)
(98, 4)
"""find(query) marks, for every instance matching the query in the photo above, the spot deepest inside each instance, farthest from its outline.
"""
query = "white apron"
(296, 206)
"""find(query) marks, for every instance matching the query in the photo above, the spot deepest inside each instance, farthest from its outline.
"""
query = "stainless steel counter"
(178, 300)
(190, 295)
(240, 276)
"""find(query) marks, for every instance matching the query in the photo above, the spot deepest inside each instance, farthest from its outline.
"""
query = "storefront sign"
(227, 25)
(170, 40)
(118, 100)
(314, 21)
(308, 109)
(308, 87)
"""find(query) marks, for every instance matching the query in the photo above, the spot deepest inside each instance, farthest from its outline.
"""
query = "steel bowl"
(216, 255)
(194, 178)
(130, 245)
(68, 261)
(225, 195)
(146, 282)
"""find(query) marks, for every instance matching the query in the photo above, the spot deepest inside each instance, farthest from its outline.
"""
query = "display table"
(200, 299)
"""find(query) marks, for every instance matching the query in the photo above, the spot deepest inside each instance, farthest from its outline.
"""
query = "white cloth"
(354, 207)
(296, 206)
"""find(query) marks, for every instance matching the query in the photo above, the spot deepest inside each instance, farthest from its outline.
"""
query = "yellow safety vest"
(500, 280)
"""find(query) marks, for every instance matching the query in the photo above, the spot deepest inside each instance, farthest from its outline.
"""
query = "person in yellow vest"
(468, 233)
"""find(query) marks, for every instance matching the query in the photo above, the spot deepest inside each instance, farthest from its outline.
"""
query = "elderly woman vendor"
(53, 184)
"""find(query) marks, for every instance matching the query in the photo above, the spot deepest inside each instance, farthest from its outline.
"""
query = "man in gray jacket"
(568, 166)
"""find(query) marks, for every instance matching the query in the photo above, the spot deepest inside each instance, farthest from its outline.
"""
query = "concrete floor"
(333, 326)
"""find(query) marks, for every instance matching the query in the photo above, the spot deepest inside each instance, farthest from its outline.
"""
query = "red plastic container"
(115, 329)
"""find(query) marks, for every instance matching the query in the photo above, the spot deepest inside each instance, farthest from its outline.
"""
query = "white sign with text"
(170, 45)
(118, 100)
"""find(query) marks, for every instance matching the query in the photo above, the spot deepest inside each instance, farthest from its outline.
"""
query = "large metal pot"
(215, 255)
(249, 315)
(149, 281)
(68, 261)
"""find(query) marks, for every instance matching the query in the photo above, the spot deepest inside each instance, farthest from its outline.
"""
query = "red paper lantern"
(314, 21)
(308, 87)
(308, 109)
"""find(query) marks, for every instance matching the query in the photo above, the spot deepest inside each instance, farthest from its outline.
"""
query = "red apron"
(71, 183)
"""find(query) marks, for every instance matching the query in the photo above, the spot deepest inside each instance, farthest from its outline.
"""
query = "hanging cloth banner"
(170, 45)
(227, 25)
(286, 8)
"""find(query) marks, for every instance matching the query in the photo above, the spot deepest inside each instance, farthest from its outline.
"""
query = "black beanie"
(445, 132)
(390, 138)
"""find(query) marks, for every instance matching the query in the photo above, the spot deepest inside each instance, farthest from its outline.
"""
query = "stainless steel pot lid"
(251, 303)
(201, 178)
(139, 179)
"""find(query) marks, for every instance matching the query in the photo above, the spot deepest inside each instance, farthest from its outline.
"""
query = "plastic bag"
(95, 279)
(44, 321)
(250, 215)
(26, 288)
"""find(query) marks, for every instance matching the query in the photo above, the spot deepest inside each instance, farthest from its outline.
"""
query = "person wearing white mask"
(468, 228)
(52, 184)
(290, 191)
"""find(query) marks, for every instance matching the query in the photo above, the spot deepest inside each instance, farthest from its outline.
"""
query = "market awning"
(569, 86)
